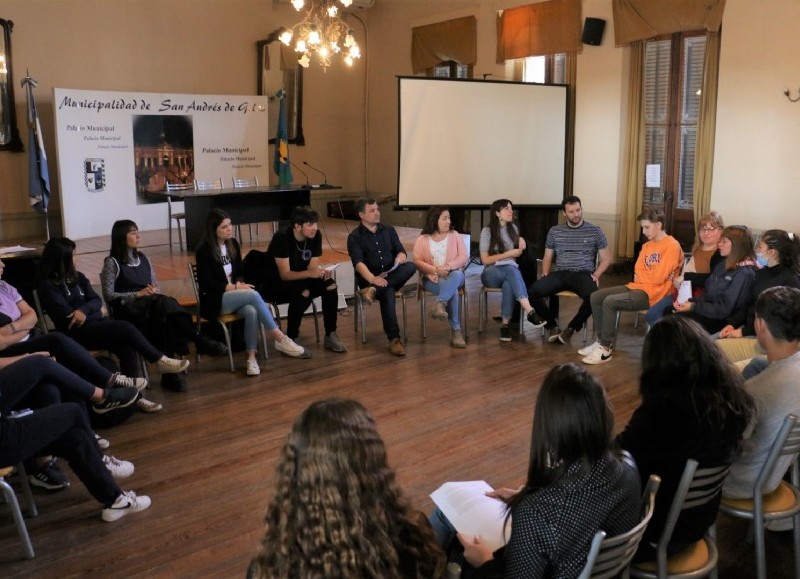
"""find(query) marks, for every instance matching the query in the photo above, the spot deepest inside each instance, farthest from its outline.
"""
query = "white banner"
(117, 150)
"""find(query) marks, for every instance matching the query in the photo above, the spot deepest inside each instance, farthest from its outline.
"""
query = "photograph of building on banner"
(117, 151)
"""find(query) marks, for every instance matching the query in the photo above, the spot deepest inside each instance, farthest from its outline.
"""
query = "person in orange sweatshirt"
(659, 262)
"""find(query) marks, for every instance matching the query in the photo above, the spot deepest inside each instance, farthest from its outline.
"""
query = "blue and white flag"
(38, 173)
(282, 165)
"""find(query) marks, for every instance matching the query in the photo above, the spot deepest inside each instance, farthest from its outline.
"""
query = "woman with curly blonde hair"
(337, 511)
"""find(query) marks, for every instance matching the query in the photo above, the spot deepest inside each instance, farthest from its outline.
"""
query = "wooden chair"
(696, 488)
(11, 498)
(177, 216)
(251, 182)
(358, 317)
(610, 556)
(782, 503)
(224, 320)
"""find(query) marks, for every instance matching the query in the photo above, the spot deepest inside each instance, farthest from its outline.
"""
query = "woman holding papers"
(500, 246)
(728, 286)
(440, 257)
(575, 486)
(705, 257)
(694, 405)
(222, 291)
(337, 510)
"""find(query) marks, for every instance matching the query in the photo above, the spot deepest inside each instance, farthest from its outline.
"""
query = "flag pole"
(38, 173)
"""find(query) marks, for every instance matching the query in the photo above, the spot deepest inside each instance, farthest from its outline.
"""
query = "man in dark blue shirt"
(379, 260)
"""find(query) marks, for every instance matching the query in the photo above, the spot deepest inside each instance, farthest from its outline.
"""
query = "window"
(673, 79)
(549, 69)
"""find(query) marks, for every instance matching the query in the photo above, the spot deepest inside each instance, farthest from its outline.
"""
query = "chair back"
(195, 287)
(207, 185)
(609, 556)
(179, 186)
(251, 182)
(787, 443)
(41, 321)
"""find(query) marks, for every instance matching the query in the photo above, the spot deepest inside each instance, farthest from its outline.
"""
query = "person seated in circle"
(440, 256)
(337, 510)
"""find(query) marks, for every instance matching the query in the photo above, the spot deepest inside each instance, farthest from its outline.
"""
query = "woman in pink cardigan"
(440, 255)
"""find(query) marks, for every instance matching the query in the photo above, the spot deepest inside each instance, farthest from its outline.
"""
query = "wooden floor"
(207, 459)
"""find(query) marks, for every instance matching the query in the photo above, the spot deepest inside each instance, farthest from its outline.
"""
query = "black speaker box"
(593, 31)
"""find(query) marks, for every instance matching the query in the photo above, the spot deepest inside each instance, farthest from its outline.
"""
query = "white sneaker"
(103, 443)
(171, 365)
(288, 347)
(599, 355)
(126, 503)
(253, 368)
(585, 351)
(118, 468)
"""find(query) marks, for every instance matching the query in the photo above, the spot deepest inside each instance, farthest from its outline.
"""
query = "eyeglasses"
(709, 228)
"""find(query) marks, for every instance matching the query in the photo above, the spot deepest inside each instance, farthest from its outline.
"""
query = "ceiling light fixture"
(322, 32)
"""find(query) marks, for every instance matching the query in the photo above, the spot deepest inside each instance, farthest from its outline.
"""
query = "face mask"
(761, 259)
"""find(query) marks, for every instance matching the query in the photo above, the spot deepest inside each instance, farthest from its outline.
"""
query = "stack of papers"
(466, 505)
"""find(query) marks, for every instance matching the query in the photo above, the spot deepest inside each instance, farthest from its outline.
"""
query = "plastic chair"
(176, 216)
(224, 320)
(611, 556)
(781, 503)
(11, 498)
(696, 488)
(358, 318)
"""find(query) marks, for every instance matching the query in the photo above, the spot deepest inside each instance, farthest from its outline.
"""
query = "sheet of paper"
(512, 262)
(473, 513)
(330, 267)
(684, 292)
(652, 176)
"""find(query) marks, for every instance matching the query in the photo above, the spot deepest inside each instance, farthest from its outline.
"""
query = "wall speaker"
(593, 31)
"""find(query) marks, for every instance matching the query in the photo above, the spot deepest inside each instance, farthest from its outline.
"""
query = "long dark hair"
(213, 220)
(787, 247)
(495, 241)
(572, 422)
(432, 219)
(56, 264)
(119, 241)
(681, 365)
(742, 245)
(337, 509)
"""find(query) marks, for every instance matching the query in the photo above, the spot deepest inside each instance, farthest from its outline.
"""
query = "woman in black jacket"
(77, 310)
(222, 291)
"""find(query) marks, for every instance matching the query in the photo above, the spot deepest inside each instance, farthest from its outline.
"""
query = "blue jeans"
(443, 529)
(447, 292)
(509, 279)
(656, 312)
(251, 306)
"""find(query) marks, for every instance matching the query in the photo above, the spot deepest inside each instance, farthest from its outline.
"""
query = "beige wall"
(208, 46)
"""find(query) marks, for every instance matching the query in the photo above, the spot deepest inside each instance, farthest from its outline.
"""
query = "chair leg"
(616, 329)
(180, 234)
(422, 311)
(16, 513)
(758, 539)
(169, 231)
(465, 313)
(483, 299)
(405, 318)
(315, 313)
(796, 534)
(228, 343)
(264, 341)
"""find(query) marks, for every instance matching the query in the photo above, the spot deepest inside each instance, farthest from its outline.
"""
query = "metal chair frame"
(180, 215)
(11, 498)
(360, 321)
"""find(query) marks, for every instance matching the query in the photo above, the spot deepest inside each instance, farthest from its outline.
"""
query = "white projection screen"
(469, 142)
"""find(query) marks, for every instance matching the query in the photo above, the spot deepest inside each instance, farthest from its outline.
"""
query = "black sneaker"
(174, 382)
(210, 347)
(49, 476)
(505, 333)
(116, 398)
(535, 319)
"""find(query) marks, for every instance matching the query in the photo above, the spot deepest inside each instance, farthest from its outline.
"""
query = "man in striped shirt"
(574, 246)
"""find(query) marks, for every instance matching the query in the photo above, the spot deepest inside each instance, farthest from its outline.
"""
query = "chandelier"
(322, 32)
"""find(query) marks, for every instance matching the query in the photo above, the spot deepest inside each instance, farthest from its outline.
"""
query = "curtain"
(539, 29)
(634, 177)
(571, 80)
(706, 128)
(636, 20)
(433, 44)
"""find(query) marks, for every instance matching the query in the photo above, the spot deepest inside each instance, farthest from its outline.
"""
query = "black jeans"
(291, 292)
(580, 282)
(122, 338)
(61, 430)
(385, 295)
